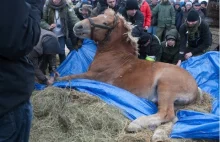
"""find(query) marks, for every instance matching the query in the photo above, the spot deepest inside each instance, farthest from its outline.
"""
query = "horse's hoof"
(133, 127)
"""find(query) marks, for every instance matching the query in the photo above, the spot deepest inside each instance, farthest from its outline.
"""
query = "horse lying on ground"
(116, 62)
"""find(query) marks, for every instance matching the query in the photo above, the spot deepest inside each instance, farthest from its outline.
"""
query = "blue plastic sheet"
(204, 68)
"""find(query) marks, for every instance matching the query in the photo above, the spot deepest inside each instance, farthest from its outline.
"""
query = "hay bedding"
(62, 115)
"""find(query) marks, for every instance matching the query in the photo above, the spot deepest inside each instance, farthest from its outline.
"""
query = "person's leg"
(15, 125)
(159, 32)
(154, 29)
(150, 30)
(62, 41)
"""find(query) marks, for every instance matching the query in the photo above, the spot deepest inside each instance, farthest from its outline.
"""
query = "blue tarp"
(191, 124)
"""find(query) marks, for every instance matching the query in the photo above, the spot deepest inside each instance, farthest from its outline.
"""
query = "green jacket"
(67, 15)
(165, 14)
(170, 54)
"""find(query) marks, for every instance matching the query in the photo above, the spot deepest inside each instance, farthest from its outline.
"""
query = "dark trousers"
(15, 125)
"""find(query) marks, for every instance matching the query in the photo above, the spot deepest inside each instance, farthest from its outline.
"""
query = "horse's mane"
(130, 38)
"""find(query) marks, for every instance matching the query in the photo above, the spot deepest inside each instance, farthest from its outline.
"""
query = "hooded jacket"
(170, 54)
(20, 32)
(36, 55)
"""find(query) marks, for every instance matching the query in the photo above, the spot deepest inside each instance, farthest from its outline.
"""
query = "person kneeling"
(170, 47)
(149, 47)
(44, 53)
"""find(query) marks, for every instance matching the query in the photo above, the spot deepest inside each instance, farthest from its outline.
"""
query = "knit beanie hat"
(193, 16)
(144, 39)
(131, 5)
(170, 37)
(189, 3)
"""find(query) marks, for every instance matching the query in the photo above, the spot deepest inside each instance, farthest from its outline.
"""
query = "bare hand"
(56, 74)
(50, 81)
(52, 26)
(146, 27)
(188, 55)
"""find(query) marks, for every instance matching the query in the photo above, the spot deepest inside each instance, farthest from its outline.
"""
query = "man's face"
(177, 6)
(111, 3)
(85, 13)
(188, 6)
(191, 24)
(197, 7)
(154, 2)
(203, 6)
(131, 12)
(56, 1)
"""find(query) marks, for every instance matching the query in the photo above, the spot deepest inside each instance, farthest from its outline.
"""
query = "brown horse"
(116, 62)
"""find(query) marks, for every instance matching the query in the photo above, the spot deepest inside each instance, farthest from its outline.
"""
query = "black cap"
(197, 4)
(144, 39)
(131, 5)
(51, 45)
(193, 16)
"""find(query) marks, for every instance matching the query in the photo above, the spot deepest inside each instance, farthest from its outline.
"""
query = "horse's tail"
(200, 96)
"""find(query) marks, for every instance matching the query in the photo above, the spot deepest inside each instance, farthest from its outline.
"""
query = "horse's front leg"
(87, 75)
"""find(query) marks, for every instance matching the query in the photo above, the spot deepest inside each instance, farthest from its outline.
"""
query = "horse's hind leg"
(86, 75)
(165, 114)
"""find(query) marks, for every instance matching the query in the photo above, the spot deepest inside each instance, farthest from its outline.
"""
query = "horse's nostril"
(80, 27)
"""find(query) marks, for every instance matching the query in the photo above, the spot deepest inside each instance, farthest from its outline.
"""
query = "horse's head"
(97, 28)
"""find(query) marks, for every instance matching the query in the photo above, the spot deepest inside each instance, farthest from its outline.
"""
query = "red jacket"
(146, 11)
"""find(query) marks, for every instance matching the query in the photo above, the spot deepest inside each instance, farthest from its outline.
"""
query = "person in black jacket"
(149, 47)
(132, 14)
(197, 34)
(44, 54)
(20, 31)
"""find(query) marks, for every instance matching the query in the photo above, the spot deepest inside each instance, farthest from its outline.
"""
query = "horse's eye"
(105, 23)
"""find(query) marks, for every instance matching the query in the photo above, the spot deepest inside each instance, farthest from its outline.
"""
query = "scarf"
(57, 6)
(192, 31)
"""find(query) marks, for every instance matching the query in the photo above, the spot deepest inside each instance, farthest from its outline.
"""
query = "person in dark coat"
(20, 32)
(149, 47)
(170, 47)
(44, 54)
(204, 7)
(179, 15)
(197, 34)
(132, 14)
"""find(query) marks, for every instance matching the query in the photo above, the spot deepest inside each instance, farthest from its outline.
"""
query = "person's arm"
(155, 11)
(205, 39)
(33, 56)
(139, 19)
(44, 19)
(22, 20)
(173, 15)
(148, 16)
(72, 16)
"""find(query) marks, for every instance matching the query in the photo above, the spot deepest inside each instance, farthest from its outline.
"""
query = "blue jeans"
(15, 125)
(152, 30)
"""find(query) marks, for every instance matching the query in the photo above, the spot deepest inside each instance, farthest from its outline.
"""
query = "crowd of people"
(168, 31)
(33, 32)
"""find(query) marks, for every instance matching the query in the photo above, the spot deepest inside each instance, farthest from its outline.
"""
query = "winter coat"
(36, 55)
(146, 11)
(67, 16)
(198, 46)
(20, 32)
(153, 18)
(152, 49)
(179, 18)
(165, 14)
(170, 54)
